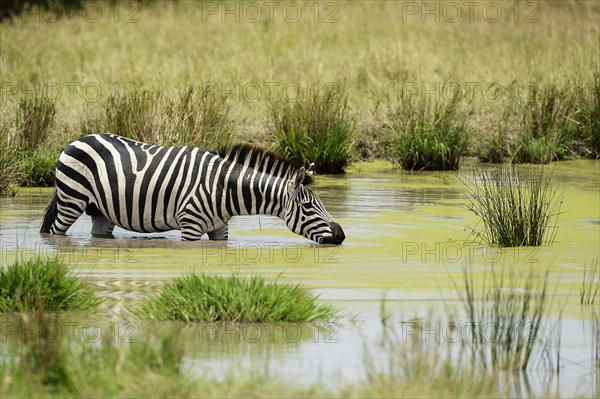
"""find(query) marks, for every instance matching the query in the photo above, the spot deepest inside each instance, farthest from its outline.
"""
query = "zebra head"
(305, 213)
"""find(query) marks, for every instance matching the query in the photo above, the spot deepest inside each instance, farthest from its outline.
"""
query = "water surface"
(407, 241)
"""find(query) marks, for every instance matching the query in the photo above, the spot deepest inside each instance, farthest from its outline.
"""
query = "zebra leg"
(190, 231)
(68, 210)
(102, 227)
(222, 233)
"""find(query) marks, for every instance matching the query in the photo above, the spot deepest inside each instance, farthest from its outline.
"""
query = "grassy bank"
(529, 77)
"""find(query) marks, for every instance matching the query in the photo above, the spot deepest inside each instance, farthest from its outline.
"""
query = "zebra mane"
(259, 158)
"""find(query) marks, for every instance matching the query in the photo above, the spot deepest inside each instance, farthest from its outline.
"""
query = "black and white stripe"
(147, 188)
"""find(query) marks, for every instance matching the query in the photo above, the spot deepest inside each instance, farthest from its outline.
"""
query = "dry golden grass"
(372, 47)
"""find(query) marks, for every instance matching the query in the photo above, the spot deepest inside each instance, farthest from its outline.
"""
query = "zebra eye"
(306, 204)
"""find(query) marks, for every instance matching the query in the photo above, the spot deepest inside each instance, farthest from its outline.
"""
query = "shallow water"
(406, 242)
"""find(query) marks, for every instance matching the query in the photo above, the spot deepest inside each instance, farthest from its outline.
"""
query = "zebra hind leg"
(68, 210)
(102, 227)
(221, 233)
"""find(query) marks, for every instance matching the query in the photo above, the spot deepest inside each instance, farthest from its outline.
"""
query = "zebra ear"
(299, 177)
(310, 172)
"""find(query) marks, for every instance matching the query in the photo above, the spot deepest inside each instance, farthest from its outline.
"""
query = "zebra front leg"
(222, 233)
(101, 226)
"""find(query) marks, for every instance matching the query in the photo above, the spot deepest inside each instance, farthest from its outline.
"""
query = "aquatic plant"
(506, 312)
(424, 134)
(42, 283)
(202, 297)
(518, 207)
(315, 128)
(590, 286)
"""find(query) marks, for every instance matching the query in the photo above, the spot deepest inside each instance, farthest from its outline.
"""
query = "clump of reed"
(518, 207)
(43, 283)
(202, 297)
(314, 128)
(192, 117)
(506, 312)
(421, 133)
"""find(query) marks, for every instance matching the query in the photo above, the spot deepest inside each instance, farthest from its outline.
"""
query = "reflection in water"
(405, 241)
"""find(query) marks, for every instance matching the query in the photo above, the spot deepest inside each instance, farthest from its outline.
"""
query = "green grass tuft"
(422, 134)
(233, 299)
(517, 208)
(314, 129)
(41, 283)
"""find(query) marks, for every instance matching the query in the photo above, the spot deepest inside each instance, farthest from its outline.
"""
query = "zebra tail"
(50, 214)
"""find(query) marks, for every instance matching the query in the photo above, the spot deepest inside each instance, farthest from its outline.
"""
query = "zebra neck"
(256, 193)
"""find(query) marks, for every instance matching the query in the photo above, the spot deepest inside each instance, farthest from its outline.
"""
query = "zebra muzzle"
(337, 235)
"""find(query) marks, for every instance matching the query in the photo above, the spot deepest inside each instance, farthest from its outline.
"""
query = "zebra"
(146, 188)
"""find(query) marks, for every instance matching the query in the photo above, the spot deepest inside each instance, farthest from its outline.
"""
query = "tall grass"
(494, 148)
(547, 120)
(418, 364)
(42, 283)
(38, 168)
(590, 286)
(561, 45)
(161, 363)
(586, 135)
(191, 117)
(8, 166)
(36, 116)
(426, 134)
(35, 123)
(518, 207)
(595, 323)
(232, 299)
(65, 364)
(506, 312)
(315, 128)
